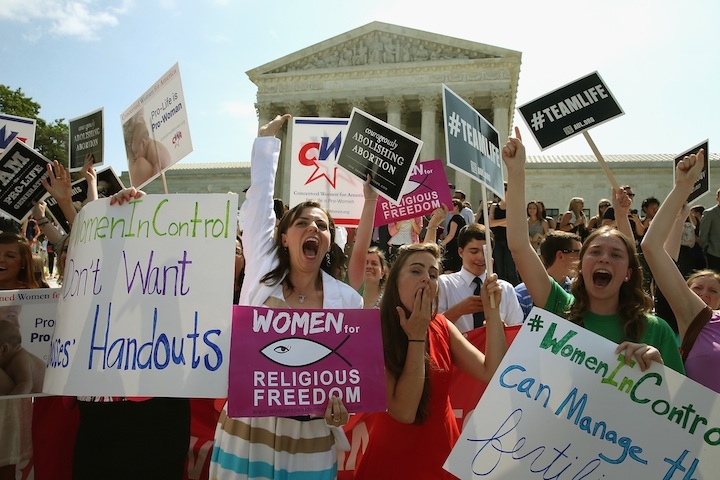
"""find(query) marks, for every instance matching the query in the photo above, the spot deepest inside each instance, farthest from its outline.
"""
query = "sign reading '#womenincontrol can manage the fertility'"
(569, 110)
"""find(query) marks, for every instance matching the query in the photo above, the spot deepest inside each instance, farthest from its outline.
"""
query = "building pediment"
(377, 44)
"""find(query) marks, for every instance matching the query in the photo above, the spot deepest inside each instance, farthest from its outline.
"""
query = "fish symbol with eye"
(299, 352)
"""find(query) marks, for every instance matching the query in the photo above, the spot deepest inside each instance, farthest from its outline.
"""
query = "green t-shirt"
(657, 332)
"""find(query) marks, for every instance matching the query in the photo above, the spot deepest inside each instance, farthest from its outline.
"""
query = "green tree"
(51, 139)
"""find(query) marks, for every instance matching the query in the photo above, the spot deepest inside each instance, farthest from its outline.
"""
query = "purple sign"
(425, 191)
(290, 362)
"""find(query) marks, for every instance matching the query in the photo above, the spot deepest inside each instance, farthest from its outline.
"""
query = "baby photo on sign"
(21, 372)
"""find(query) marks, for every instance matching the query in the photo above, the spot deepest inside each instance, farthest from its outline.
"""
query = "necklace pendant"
(301, 298)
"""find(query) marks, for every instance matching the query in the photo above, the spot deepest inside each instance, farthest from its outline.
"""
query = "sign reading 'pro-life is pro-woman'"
(146, 301)
(563, 405)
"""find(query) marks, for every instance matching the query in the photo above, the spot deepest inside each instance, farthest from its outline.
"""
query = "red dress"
(398, 450)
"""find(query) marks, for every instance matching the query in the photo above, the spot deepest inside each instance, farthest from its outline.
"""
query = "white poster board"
(562, 405)
(146, 301)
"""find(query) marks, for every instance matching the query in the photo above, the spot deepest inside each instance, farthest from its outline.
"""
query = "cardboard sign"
(472, 143)
(385, 152)
(12, 127)
(426, 190)
(314, 172)
(27, 321)
(86, 138)
(108, 184)
(563, 404)
(156, 129)
(21, 172)
(146, 300)
(290, 362)
(569, 110)
(702, 185)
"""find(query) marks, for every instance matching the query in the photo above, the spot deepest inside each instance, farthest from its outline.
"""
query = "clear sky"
(660, 58)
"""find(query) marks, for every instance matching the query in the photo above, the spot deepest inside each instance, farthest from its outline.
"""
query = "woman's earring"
(327, 259)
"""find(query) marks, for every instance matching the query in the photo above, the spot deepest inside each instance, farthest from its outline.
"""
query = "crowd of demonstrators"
(710, 234)
(538, 227)
(414, 436)
(402, 233)
(595, 221)
(606, 296)
(573, 220)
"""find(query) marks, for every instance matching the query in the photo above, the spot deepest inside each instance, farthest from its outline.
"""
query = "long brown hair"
(633, 304)
(395, 341)
(274, 276)
(26, 276)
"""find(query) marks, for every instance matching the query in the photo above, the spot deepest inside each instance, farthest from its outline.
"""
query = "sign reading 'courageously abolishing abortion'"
(290, 362)
(146, 301)
(563, 405)
(569, 110)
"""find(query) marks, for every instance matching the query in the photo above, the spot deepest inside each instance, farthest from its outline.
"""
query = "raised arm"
(621, 205)
(44, 223)
(674, 239)
(528, 264)
(436, 220)
(88, 172)
(59, 185)
(363, 237)
(683, 301)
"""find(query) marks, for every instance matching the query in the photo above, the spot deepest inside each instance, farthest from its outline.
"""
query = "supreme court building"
(396, 74)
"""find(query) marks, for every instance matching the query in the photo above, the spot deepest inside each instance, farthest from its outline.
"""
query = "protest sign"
(21, 172)
(569, 110)
(290, 362)
(156, 129)
(563, 405)
(108, 184)
(12, 127)
(314, 172)
(426, 190)
(702, 184)
(385, 152)
(27, 320)
(146, 300)
(86, 139)
(472, 143)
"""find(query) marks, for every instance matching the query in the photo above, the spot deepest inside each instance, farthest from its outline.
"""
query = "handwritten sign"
(374, 147)
(426, 190)
(12, 127)
(472, 143)
(86, 138)
(289, 362)
(146, 301)
(570, 110)
(156, 129)
(27, 321)
(21, 172)
(702, 185)
(314, 172)
(563, 405)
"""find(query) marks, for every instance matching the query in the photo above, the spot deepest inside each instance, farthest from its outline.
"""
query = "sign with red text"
(156, 130)
(12, 127)
(570, 110)
(563, 405)
(286, 362)
(381, 150)
(21, 173)
(139, 314)
(702, 184)
(27, 320)
(314, 172)
(426, 190)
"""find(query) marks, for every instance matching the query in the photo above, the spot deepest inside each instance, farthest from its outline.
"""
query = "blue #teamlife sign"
(473, 144)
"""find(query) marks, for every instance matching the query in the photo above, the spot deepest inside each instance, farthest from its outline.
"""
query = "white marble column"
(429, 105)
(325, 107)
(395, 105)
(360, 103)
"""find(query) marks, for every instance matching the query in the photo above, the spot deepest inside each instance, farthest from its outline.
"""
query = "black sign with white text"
(375, 147)
(569, 110)
(21, 171)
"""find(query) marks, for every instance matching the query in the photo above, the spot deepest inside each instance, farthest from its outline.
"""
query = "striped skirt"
(275, 448)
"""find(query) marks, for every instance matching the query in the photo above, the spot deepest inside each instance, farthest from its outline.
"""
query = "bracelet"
(415, 340)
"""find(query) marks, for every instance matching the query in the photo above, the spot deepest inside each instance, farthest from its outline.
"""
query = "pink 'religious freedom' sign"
(286, 362)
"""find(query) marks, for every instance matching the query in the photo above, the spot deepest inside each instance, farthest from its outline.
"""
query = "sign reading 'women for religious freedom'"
(146, 302)
(563, 405)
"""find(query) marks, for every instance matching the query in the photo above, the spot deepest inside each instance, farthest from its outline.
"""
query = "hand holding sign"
(273, 126)
(689, 168)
